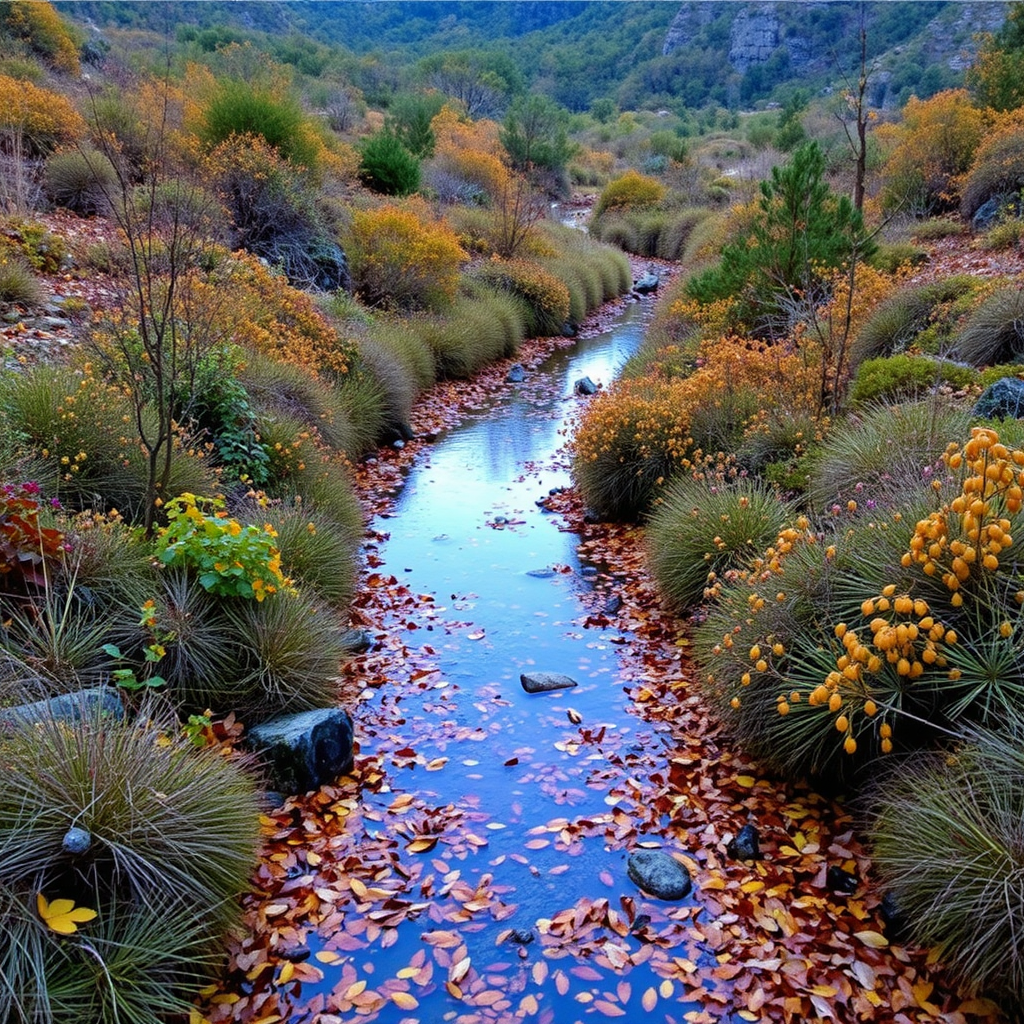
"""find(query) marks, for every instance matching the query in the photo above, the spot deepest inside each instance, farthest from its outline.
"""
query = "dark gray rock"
(545, 682)
(68, 707)
(585, 386)
(745, 845)
(303, 751)
(569, 330)
(659, 874)
(841, 881)
(516, 374)
(988, 213)
(356, 641)
(1003, 399)
(76, 841)
(613, 604)
(646, 284)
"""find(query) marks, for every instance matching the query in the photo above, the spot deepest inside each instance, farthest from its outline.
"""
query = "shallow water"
(516, 772)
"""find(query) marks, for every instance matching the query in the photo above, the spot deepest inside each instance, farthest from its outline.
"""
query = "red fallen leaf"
(511, 762)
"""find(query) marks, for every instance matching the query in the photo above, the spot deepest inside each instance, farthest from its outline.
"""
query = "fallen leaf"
(62, 916)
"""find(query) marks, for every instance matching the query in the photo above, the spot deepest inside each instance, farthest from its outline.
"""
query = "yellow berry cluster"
(969, 534)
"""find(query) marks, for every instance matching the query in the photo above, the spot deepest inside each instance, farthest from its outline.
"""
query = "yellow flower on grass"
(62, 916)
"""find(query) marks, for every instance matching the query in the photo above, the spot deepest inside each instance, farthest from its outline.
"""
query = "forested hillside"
(639, 54)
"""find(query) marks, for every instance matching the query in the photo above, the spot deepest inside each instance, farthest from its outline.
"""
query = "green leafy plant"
(153, 652)
(906, 378)
(231, 560)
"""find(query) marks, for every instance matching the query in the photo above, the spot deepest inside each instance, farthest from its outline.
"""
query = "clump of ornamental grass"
(479, 329)
(921, 641)
(883, 449)
(994, 333)
(168, 838)
(396, 381)
(292, 650)
(948, 844)
(316, 552)
(896, 321)
(198, 651)
(363, 399)
(404, 344)
(546, 297)
(18, 283)
(582, 278)
(701, 527)
(677, 230)
(934, 228)
(767, 645)
(283, 393)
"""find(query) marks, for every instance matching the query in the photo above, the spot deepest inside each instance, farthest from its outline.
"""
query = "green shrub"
(885, 448)
(946, 842)
(631, 190)
(994, 333)
(676, 232)
(700, 529)
(241, 109)
(82, 181)
(387, 167)
(934, 228)
(1006, 235)
(906, 378)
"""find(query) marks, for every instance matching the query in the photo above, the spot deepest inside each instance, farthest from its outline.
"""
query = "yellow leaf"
(328, 956)
(649, 1000)
(287, 970)
(666, 988)
(876, 940)
(404, 1001)
(422, 844)
(746, 781)
(62, 916)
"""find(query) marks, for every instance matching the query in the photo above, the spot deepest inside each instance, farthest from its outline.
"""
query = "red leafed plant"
(25, 544)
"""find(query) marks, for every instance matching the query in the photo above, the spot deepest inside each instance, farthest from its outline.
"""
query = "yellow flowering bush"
(401, 257)
(546, 296)
(631, 189)
(882, 628)
(39, 119)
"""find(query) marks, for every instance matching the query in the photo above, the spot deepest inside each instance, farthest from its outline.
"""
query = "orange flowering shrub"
(401, 257)
(470, 150)
(42, 120)
(640, 431)
(930, 149)
(266, 314)
(546, 296)
(818, 673)
(41, 27)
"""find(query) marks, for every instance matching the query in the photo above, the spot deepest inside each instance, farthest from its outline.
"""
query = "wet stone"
(659, 874)
(585, 386)
(516, 374)
(545, 682)
(76, 841)
(745, 845)
(303, 751)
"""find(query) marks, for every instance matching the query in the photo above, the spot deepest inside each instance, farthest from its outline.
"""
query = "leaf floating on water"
(422, 844)
(404, 1001)
(573, 715)
(478, 635)
(649, 1000)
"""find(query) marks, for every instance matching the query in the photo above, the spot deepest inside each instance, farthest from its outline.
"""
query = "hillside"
(643, 54)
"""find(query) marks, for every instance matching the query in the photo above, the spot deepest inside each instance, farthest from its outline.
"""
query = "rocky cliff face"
(758, 31)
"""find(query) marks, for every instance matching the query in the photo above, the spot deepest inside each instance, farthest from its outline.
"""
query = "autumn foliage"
(402, 257)
(39, 119)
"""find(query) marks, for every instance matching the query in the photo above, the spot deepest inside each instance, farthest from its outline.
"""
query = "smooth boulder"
(659, 874)
(305, 750)
(545, 682)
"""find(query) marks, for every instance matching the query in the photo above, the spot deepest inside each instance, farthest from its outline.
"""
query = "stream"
(491, 846)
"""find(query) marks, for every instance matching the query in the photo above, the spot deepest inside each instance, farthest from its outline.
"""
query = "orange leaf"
(404, 1001)
(649, 1000)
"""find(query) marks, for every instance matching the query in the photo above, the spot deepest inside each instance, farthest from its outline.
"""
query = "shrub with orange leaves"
(930, 150)
(43, 30)
(401, 257)
(35, 119)
(998, 166)
(470, 152)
